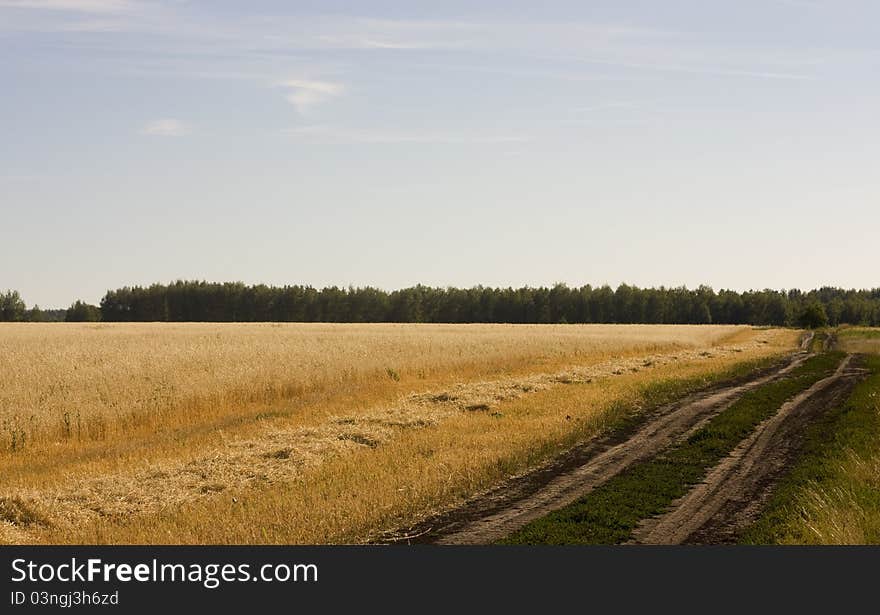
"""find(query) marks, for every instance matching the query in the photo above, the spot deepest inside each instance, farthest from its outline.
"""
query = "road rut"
(734, 492)
(505, 509)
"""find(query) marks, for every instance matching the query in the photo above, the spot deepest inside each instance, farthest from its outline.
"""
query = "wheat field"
(62, 382)
(139, 432)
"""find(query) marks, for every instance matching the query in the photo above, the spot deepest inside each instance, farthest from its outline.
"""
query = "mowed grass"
(832, 495)
(312, 433)
(611, 512)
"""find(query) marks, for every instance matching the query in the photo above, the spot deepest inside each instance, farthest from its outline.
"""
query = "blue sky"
(446, 143)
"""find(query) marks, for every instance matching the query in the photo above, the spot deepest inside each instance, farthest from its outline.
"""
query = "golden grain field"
(310, 432)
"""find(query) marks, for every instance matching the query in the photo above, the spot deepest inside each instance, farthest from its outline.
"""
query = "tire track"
(503, 510)
(735, 490)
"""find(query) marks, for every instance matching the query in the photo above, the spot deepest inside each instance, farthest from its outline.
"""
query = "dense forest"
(237, 302)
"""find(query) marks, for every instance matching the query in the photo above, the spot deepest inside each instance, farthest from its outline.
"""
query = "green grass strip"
(825, 466)
(610, 513)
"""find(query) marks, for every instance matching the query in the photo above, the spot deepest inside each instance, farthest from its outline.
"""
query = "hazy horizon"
(504, 144)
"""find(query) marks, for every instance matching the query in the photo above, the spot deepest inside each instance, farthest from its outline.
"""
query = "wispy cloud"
(383, 41)
(810, 4)
(336, 135)
(16, 178)
(263, 41)
(73, 6)
(305, 93)
(619, 104)
(92, 25)
(718, 71)
(81, 16)
(166, 127)
(376, 44)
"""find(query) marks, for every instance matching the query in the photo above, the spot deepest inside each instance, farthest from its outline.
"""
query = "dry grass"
(845, 513)
(143, 433)
(859, 339)
(99, 382)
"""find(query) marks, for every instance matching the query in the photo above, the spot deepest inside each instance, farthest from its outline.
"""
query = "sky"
(390, 143)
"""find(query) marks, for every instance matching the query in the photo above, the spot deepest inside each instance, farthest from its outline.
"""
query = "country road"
(711, 512)
(733, 493)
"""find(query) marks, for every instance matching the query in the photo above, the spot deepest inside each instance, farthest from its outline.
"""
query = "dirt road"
(733, 493)
(497, 513)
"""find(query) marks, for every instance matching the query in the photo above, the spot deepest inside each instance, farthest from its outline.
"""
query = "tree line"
(14, 309)
(236, 302)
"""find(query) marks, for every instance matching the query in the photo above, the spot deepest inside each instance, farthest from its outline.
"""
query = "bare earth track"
(733, 493)
(499, 512)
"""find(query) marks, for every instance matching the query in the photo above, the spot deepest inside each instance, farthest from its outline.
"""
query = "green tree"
(35, 314)
(82, 312)
(813, 316)
(12, 308)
